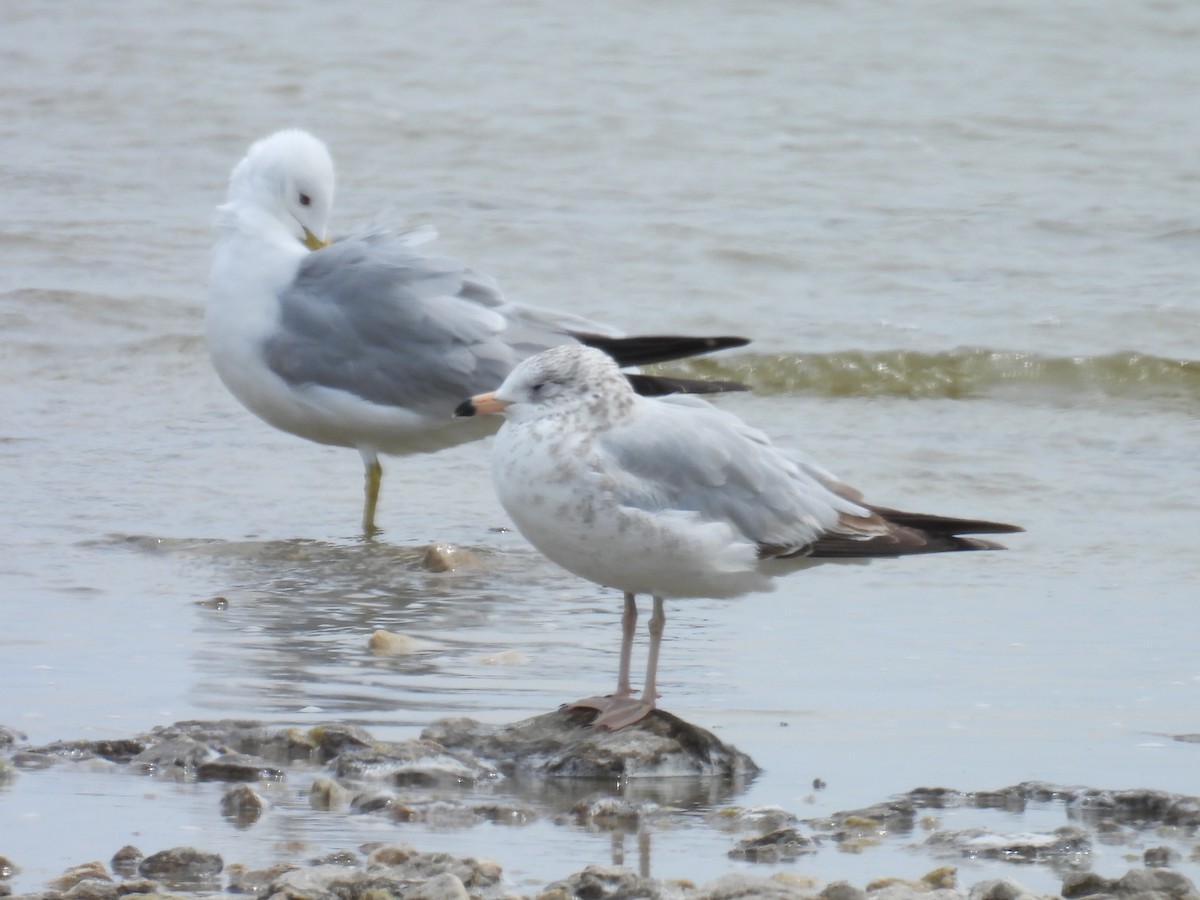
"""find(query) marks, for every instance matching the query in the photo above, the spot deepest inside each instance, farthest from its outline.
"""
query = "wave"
(964, 373)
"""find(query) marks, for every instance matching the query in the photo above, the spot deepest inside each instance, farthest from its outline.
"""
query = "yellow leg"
(374, 476)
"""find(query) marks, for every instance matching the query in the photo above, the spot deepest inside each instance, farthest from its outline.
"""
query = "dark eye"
(537, 388)
(305, 200)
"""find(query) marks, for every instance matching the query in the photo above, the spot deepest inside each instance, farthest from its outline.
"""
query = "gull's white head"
(289, 177)
(563, 379)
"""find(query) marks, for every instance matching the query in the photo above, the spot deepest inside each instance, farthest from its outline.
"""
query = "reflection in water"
(291, 625)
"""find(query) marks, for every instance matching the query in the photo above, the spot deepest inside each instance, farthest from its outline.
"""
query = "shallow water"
(964, 241)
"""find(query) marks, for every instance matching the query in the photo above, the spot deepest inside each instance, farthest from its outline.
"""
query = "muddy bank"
(441, 780)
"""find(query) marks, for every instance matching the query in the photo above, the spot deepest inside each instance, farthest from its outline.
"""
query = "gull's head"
(564, 379)
(287, 177)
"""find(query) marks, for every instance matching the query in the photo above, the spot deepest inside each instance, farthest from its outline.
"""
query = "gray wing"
(372, 316)
(681, 453)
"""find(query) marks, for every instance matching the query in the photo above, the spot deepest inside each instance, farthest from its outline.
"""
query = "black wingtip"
(645, 350)
(662, 385)
(464, 409)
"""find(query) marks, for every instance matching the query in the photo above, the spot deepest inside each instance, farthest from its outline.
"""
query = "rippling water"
(964, 239)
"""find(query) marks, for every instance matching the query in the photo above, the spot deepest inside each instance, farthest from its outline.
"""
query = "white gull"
(673, 497)
(367, 342)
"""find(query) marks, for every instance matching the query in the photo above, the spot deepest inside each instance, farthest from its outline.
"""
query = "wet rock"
(94, 871)
(93, 889)
(1065, 843)
(1139, 807)
(337, 858)
(182, 867)
(440, 887)
(7, 868)
(761, 819)
(10, 737)
(842, 890)
(396, 871)
(243, 736)
(1136, 884)
(781, 844)
(327, 794)
(118, 751)
(180, 752)
(505, 814)
(419, 763)
(406, 863)
(448, 558)
(389, 643)
(238, 767)
(563, 743)
(126, 860)
(32, 760)
(1159, 857)
(242, 805)
(999, 889)
(897, 816)
(604, 883)
(256, 882)
(743, 886)
(331, 740)
(138, 886)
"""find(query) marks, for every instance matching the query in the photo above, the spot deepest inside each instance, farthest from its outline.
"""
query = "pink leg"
(622, 711)
(628, 628)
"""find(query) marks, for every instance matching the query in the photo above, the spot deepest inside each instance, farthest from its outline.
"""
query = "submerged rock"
(418, 763)
(563, 743)
(1066, 843)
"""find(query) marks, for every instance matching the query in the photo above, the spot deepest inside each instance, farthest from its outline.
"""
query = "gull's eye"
(305, 200)
(537, 388)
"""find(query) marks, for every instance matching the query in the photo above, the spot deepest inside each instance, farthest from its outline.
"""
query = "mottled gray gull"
(366, 341)
(673, 497)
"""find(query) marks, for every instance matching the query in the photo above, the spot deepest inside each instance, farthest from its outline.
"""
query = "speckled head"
(565, 379)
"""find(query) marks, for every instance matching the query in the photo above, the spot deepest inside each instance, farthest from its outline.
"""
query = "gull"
(674, 498)
(366, 341)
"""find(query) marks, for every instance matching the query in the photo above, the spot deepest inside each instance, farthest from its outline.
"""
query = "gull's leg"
(628, 628)
(622, 711)
(658, 622)
(374, 476)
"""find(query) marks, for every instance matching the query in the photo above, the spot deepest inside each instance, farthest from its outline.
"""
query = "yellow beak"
(312, 242)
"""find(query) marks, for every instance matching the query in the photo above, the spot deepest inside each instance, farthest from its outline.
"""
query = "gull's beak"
(481, 405)
(312, 242)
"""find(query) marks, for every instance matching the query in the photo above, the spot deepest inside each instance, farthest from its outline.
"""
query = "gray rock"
(119, 751)
(242, 805)
(10, 737)
(743, 886)
(781, 844)
(180, 752)
(1065, 843)
(1160, 857)
(238, 767)
(419, 763)
(999, 889)
(336, 738)
(126, 860)
(182, 867)
(605, 883)
(842, 890)
(1136, 884)
(92, 889)
(563, 743)
(440, 887)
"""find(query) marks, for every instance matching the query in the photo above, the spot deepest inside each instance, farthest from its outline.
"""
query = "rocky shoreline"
(352, 773)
